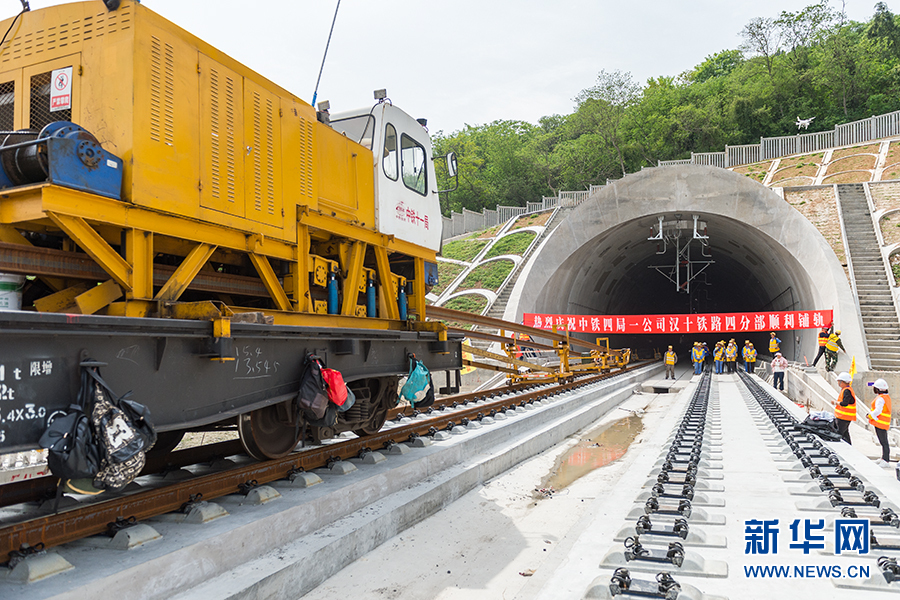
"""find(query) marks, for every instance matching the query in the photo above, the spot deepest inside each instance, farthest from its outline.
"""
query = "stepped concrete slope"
(499, 305)
(876, 305)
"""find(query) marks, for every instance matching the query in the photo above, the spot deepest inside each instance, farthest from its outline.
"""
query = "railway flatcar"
(168, 212)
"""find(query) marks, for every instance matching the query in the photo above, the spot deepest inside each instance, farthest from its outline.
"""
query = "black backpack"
(312, 399)
(102, 437)
(69, 440)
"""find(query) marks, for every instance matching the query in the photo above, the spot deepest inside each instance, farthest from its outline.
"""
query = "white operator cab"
(406, 199)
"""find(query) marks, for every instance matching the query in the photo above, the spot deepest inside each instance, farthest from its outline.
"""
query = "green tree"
(605, 104)
(810, 63)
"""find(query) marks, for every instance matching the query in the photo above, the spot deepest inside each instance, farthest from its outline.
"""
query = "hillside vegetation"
(810, 63)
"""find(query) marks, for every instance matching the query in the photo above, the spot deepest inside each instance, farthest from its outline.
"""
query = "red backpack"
(334, 383)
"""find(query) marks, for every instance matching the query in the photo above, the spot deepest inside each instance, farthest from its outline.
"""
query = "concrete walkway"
(504, 541)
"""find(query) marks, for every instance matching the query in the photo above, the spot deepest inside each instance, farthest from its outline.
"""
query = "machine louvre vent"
(40, 114)
(169, 97)
(304, 166)
(66, 34)
(155, 87)
(7, 105)
(214, 133)
(221, 135)
(162, 91)
(257, 160)
(270, 156)
(230, 133)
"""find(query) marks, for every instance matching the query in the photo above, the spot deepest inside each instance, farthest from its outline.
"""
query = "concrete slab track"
(759, 481)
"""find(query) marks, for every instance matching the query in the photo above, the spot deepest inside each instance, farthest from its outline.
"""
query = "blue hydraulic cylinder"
(371, 309)
(332, 288)
(401, 303)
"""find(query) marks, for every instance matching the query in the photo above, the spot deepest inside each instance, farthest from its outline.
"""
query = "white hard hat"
(880, 384)
(845, 377)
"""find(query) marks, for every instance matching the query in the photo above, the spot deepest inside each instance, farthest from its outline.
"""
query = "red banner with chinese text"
(699, 323)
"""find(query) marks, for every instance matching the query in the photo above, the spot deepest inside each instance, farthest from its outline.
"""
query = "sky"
(466, 62)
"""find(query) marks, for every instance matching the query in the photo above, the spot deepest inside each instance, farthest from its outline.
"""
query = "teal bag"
(418, 381)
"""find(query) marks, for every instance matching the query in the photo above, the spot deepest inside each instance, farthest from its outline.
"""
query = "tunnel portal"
(765, 257)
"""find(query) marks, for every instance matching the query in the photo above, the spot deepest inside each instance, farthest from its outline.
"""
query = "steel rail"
(448, 314)
(39, 488)
(481, 335)
(80, 522)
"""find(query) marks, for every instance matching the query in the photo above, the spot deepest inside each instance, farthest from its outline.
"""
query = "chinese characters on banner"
(698, 323)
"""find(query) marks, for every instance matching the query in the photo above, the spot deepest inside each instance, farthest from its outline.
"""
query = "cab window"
(412, 161)
(389, 160)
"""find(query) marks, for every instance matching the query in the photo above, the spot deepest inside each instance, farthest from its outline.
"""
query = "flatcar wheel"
(374, 424)
(383, 393)
(265, 436)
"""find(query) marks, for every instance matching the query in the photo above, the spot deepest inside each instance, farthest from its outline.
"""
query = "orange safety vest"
(884, 419)
(823, 337)
(845, 413)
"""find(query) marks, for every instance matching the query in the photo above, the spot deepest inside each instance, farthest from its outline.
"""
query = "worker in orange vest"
(823, 339)
(880, 418)
(845, 406)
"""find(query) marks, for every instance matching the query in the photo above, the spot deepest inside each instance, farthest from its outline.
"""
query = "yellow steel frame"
(180, 280)
(90, 220)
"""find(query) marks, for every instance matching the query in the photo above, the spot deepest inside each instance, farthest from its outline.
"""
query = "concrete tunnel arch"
(768, 257)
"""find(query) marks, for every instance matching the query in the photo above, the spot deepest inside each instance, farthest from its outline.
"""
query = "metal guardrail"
(847, 134)
(469, 221)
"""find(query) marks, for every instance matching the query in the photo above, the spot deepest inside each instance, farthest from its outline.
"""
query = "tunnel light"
(380, 94)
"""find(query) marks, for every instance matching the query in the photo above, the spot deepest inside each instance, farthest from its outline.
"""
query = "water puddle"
(599, 448)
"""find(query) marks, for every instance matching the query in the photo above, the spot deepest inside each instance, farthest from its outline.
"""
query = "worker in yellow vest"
(731, 352)
(845, 406)
(697, 356)
(719, 357)
(831, 350)
(749, 354)
(774, 344)
(670, 359)
(880, 418)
